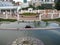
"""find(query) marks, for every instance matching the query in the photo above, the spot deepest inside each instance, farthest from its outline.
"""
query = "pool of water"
(48, 37)
(38, 24)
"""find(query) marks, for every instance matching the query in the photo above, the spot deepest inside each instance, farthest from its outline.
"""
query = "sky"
(19, 0)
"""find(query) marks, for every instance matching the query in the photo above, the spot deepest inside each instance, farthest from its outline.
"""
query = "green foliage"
(25, 8)
(11, 20)
(30, 6)
(39, 7)
(29, 14)
(57, 5)
(58, 19)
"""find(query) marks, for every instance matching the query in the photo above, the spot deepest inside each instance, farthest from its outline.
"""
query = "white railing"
(43, 14)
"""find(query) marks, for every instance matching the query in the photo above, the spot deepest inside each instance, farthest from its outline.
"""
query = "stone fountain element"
(27, 41)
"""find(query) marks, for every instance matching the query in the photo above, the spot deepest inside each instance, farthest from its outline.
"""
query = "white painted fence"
(43, 14)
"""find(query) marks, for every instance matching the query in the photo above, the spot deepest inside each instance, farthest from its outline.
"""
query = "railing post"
(44, 11)
(6, 14)
(18, 13)
(59, 15)
(10, 12)
(18, 16)
(0, 10)
(40, 17)
(52, 15)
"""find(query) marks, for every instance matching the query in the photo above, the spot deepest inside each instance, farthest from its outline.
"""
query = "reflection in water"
(53, 25)
(41, 24)
(59, 24)
(0, 23)
(56, 32)
(48, 37)
(47, 23)
(38, 24)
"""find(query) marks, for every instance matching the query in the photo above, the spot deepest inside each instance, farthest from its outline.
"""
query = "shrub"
(11, 20)
(27, 14)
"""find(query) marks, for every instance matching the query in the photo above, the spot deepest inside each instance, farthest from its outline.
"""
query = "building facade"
(7, 0)
(41, 2)
(7, 5)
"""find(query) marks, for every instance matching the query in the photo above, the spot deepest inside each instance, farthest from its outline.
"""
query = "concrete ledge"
(17, 29)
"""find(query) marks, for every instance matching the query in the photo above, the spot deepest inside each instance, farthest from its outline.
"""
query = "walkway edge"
(17, 29)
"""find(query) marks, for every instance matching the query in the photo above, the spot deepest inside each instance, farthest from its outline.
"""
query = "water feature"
(48, 37)
(23, 24)
(27, 41)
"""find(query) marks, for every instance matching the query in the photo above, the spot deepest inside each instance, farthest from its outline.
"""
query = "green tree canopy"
(30, 6)
(57, 5)
(39, 7)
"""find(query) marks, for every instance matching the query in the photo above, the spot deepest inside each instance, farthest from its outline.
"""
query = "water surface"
(41, 24)
(48, 37)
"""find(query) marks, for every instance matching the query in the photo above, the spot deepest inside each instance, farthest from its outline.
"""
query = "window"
(46, 0)
(41, 0)
(34, 4)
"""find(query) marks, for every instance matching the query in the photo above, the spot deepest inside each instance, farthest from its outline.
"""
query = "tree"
(30, 6)
(39, 7)
(57, 5)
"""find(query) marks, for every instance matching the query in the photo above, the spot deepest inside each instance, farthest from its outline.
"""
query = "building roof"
(7, 0)
(10, 7)
(7, 5)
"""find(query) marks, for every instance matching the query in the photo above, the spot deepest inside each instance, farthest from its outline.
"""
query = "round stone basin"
(33, 24)
(47, 37)
(27, 41)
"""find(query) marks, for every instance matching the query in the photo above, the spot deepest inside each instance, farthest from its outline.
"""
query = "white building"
(40, 2)
(6, 5)
(7, 0)
(24, 5)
